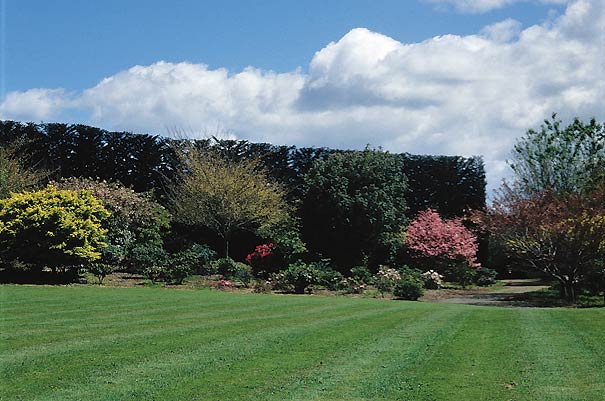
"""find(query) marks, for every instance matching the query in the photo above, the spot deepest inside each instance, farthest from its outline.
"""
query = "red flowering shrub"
(261, 259)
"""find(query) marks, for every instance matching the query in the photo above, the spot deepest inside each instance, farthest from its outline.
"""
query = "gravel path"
(513, 294)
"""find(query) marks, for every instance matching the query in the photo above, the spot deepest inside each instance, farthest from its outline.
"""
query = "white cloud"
(35, 104)
(482, 6)
(468, 95)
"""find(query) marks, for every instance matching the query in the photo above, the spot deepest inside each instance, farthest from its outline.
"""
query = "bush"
(100, 270)
(136, 221)
(460, 272)
(147, 256)
(232, 270)
(353, 285)
(155, 273)
(408, 289)
(196, 258)
(385, 279)
(297, 277)
(485, 276)
(60, 229)
(328, 277)
(177, 272)
(361, 274)
(432, 280)
(262, 287)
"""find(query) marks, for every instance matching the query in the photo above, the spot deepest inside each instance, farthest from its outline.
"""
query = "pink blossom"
(428, 235)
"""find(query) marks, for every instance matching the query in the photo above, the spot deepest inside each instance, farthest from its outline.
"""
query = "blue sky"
(433, 76)
(73, 44)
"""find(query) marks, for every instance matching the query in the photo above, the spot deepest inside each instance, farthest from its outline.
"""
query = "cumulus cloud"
(468, 95)
(482, 6)
(35, 104)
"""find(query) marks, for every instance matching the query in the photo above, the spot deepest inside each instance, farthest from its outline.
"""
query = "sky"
(453, 77)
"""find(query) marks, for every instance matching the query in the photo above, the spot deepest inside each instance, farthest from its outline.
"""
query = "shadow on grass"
(546, 298)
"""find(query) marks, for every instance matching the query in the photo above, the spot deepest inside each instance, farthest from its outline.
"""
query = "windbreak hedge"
(449, 184)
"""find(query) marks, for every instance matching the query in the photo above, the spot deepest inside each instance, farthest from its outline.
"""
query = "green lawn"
(85, 343)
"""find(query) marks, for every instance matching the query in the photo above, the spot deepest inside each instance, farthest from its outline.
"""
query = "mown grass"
(84, 343)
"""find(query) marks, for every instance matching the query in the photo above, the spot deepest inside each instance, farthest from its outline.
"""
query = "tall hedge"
(449, 184)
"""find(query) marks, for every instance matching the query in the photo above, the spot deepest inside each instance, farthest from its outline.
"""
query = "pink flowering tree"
(447, 245)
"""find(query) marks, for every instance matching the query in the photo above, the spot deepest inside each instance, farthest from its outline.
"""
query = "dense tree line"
(449, 184)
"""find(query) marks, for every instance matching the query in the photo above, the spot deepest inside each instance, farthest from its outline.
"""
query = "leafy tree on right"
(552, 217)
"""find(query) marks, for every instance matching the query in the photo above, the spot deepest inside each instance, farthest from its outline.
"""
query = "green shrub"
(408, 289)
(361, 274)
(242, 273)
(485, 276)
(460, 272)
(232, 270)
(60, 229)
(353, 285)
(262, 287)
(385, 279)
(177, 272)
(147, 256)
(155, 273)
(100, 270)
(432, 280)
(328, 277)
(297, 277)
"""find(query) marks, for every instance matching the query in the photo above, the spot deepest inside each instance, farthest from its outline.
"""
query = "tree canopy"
(355, 207)
(565, 160)
(227, 196)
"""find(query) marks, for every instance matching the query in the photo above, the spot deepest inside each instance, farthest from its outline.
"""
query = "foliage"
(262, 287)
(432, 280)
(431, 237)
(353, 285)
(447, 244)
(450, 184)
(355, 205)
(136, 226)
(563, 236)
(197, 257)
(485, 276)
(52, 227)
(147, 256)
(155, 273)
(385, 279)
(262, 260)
(568, 160)
(226, 196)
(361, 274)
(15, 175)
(408, 289)
(297, 277)
(329, 278)
(100, 270)
(233, 270)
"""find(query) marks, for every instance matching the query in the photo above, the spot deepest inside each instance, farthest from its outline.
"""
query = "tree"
(53, 228)
(228, 196)
(15, 176)
(568, 160)
(447, 244)
(136, 226)
(551, 218)
(354, 206)
(562, 236)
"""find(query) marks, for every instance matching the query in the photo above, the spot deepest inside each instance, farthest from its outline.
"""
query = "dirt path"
(514, 293)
